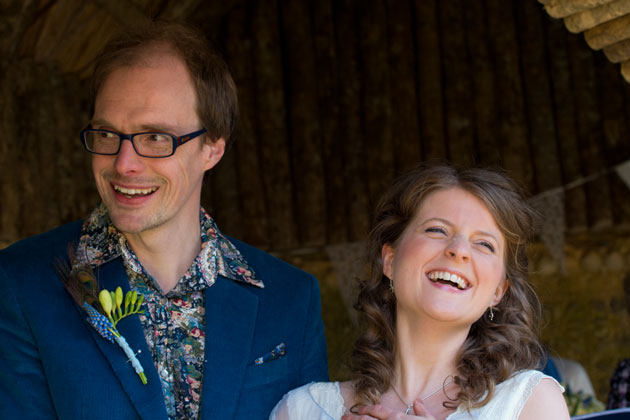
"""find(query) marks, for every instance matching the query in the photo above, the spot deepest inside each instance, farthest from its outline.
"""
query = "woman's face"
(448, 264)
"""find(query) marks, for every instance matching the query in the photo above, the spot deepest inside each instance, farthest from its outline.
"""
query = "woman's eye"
(436, 230)
(487, 245)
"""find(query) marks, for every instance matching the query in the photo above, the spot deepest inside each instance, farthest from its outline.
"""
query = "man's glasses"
(148, 144)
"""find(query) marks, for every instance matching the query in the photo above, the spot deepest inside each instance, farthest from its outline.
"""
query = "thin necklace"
(410, 406)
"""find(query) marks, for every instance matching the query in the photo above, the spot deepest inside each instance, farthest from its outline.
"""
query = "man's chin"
(130, 224)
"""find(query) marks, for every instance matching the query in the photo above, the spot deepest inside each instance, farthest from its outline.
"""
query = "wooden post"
(565, 125)
(589, 130)
(539, 107)
(430, 80)
(328, 96)
(625, 70)
(271, 123)
(403, 85)
(377, 107)
(457, 86)
(511, 117)
(351, 130)
(483, 85)
(304, 130)
(253, 224)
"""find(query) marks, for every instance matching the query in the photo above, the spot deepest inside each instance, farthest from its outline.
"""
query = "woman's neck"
(425, 356)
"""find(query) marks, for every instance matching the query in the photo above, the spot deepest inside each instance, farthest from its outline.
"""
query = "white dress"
(323, 401)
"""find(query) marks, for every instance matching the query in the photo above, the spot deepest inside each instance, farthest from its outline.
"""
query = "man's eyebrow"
(99, 121)
(144, 127)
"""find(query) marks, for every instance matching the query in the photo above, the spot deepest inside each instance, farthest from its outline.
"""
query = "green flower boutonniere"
(104, 308)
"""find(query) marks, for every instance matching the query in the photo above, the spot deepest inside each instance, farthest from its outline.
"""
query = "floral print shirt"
(619, 396)
(173, 322)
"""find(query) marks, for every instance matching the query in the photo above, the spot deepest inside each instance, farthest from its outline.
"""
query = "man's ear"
(212, 152)
(387, 256)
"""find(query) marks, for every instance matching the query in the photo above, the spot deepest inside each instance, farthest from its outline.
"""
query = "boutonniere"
(104, 308)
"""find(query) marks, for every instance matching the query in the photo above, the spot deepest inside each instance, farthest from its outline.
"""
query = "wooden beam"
(563, 8)
(608, 33)
(588, 19)
(619, 51)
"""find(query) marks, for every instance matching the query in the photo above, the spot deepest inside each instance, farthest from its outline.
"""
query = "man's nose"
(127, 160)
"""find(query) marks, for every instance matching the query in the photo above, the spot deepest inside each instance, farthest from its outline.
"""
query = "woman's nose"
(458, 249)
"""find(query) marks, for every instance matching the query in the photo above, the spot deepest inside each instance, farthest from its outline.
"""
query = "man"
(224, 329)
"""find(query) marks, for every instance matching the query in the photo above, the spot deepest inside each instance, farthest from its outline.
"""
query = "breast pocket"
(275, 372)
(264, 386)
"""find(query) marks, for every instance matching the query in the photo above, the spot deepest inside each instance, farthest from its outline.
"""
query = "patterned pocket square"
(276, 353)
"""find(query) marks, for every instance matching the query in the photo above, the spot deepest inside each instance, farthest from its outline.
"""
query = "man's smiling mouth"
(134, 192)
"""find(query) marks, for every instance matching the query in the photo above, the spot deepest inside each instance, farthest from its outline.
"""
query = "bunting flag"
(550, 204)
(623, 171)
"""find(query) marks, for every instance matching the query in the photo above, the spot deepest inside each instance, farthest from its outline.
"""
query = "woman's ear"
(387, 255)
(500, 291)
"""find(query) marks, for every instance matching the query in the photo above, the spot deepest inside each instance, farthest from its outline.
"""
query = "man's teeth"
(450, 277)
(134, 191)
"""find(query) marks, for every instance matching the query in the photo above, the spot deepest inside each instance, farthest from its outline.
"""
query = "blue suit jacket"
(54, 365)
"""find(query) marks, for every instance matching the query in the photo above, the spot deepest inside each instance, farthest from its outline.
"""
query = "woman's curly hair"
(493, 350)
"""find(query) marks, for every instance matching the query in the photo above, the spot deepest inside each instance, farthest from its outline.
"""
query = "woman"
(450, 319)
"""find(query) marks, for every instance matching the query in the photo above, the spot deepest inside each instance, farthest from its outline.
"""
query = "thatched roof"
(605, 23)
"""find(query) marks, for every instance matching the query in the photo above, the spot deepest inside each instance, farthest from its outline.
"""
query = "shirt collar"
(101, 242)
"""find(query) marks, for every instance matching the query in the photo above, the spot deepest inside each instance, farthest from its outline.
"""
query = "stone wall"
(586, 310)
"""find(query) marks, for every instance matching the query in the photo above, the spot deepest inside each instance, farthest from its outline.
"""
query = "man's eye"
(158, 137)
(106, 135)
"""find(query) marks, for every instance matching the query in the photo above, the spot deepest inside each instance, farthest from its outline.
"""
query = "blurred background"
(340, 96)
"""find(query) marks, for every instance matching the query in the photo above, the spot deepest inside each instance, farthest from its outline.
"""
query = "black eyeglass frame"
(177, 140)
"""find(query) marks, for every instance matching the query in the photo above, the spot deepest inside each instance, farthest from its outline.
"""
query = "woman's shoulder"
(315, 400)
(514, 394)
(511, 396)
(526, 381)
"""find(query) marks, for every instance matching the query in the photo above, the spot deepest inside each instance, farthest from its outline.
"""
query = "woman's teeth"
(446, 277)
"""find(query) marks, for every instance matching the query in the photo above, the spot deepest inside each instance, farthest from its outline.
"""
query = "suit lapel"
(230, 323)
(147, 399)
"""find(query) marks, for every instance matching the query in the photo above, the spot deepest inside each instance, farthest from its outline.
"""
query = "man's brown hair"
(217, 101)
